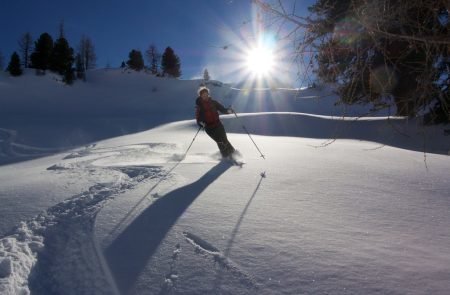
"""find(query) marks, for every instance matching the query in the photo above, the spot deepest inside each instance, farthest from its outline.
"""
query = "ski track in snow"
(6, 138)
(170, 280)
(203, 247)
(10, 150)
(56, 252)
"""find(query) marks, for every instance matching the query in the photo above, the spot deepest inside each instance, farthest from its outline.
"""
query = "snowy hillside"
(40, 115)
(99, 197)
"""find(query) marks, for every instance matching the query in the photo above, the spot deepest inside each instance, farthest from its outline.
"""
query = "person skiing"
(206, 113)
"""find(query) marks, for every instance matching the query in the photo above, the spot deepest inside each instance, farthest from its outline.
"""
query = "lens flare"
(260, 61)
(348, 31)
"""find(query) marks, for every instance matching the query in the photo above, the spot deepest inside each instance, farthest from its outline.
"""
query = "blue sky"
(197, 30)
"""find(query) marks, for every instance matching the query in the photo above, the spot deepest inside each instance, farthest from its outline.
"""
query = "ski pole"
(195, 136)
(178, 163)
(248, 133)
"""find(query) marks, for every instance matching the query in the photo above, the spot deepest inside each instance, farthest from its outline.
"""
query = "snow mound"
(18, 254)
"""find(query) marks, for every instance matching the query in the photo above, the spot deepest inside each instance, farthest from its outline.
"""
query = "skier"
(206, 113)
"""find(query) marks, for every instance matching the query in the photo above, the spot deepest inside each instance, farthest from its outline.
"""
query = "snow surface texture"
(339, 205)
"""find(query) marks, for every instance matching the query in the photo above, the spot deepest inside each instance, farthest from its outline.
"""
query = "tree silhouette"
(385, 53)
(135, 61)
(87, 52)
(25, 45)
(170, 63)
(40, 58)
(86, 58)
(206, 76)
(62, 59)
(393, 57)
(14, 67)
(153, 58)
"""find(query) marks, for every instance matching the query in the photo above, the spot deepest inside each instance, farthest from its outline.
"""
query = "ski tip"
(237, 163)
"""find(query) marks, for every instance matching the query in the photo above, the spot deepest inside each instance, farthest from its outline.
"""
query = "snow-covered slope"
(338, 205)
(40, 114)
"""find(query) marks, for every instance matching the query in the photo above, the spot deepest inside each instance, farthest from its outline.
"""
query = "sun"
(260, 61)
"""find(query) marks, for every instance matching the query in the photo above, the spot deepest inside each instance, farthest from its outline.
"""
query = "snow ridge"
(55, 252)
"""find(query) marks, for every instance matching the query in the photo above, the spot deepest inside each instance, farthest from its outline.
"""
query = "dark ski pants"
(220, 137)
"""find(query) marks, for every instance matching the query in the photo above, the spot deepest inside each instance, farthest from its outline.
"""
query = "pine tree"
(40, 58)
(153, 58)
(170, 63)
(62, 56)
(206, 76)
(25, 45)
(62, 59)
(398, 53)
(14, 67)
(135, 62)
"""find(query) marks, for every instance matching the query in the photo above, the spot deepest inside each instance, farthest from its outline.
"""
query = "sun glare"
(260, 61)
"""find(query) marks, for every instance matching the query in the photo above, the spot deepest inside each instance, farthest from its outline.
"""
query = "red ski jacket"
(207, 111)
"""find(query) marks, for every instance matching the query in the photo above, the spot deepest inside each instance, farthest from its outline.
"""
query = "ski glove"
(201, 124)
(230, 111)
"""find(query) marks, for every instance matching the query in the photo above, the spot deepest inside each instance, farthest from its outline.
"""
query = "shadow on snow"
(129, 253)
